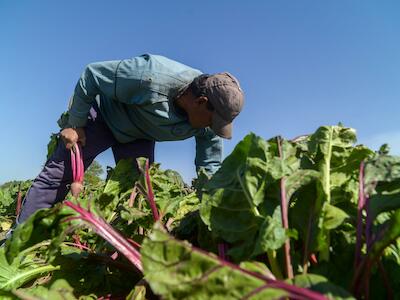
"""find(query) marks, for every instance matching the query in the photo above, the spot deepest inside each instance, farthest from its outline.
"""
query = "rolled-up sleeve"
(209, 149)
(97, 78)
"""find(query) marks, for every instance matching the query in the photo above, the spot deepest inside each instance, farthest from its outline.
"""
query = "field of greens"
(317, 217)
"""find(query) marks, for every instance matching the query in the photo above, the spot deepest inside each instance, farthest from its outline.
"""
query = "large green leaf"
(239, 201)
(175, 270)
(119, 185)
(337, 160)
(24, 268)
(44, 224)
(327, 143)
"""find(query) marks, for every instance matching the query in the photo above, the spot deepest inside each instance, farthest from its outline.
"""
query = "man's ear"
(201, 100)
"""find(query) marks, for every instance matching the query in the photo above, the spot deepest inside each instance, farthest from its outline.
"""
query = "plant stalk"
(106, 231)
(360, 207)
(285, 216)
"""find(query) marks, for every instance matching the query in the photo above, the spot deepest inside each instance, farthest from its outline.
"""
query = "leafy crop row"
(312, 218)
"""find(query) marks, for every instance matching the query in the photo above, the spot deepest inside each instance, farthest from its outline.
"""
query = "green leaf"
(138, 293)
(230, 199)
(299, 179)
(175, 270)
(120, 182)
(9, 194)
(44, 224)
(52, 145)
(23, 269)
(321, 284)
(272, 235)
(258, 267)
(334, 217)
(59, 290)
(388, 234)
(382, 184)
(337, 160)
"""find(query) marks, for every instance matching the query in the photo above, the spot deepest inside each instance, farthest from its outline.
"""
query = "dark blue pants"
(51, 185)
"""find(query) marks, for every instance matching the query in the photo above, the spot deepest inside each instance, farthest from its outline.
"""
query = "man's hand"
(71, 136)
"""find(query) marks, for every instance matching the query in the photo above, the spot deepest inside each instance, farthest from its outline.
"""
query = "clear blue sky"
(302, 64)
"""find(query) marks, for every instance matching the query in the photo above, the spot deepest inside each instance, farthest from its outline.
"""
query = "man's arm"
(97, 78)
(208, 151)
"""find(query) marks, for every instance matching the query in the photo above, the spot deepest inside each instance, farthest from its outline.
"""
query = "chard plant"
(316, 217)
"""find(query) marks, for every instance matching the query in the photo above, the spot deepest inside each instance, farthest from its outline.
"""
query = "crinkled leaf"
(334, 156)
(121, 180)
(272, 235)
(175, 270)
(230, 198)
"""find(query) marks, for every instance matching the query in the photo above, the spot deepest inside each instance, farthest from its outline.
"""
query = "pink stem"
(106, 231)
(390, 295)
(79, 163)
(150, 194)
(294, 291)
(19, 201)
(285, 219)
(222, 250)
(82, 165)
(132, 197)
(368, 224)
(73, 165)
(360, 207)
(77, 241)
(135, 244)
(80, 246)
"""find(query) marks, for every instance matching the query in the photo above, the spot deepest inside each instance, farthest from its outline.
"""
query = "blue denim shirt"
(136, 100)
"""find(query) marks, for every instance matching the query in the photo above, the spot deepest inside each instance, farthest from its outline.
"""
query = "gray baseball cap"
(225, 95)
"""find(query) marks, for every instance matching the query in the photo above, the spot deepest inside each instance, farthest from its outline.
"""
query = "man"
(139, 101)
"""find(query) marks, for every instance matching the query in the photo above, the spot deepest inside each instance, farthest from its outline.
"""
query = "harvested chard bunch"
(77, 170)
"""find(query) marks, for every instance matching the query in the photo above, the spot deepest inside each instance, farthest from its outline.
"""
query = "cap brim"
(221, 127)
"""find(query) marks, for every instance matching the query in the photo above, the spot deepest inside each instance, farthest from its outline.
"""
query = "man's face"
(199, 114)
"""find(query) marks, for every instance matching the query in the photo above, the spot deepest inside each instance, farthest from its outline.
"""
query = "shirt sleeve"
(97, 78)
(209, 148)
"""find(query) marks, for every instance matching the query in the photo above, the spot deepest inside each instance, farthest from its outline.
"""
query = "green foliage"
(59, 290)
(43, 225)
(321, 284)
(24, 267)
(9, 193)
(92, 175)
(175, 270)
(52, 144)
(52, 256)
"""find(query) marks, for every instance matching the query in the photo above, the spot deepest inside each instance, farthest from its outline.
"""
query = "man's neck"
(180, 106)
